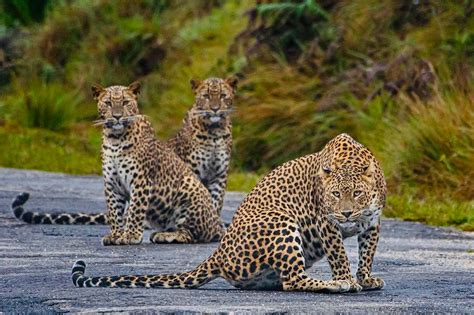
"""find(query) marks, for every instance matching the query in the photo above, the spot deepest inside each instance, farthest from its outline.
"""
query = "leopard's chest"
(312, 247)
(118, 170)
(210, 158)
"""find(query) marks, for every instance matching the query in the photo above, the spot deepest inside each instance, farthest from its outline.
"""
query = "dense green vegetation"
(397, 75)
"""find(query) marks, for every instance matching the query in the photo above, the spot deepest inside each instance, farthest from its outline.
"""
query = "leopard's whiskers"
(98, 122)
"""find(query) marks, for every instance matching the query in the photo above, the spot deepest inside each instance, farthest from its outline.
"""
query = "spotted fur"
(296, 215)
(145, 181)
(53, 218)
(204, 142)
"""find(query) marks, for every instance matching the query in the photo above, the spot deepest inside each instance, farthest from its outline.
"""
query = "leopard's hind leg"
(194, 218)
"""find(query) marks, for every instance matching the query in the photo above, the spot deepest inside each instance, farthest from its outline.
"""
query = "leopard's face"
(214, 100)
(117, 106)
(349, 195)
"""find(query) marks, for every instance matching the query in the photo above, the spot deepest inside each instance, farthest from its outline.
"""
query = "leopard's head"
(117, 105)
(349, 194)
(214, 100)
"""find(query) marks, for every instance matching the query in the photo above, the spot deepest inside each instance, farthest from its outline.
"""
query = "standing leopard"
(204, 141)
(145, 174)
(296, 215)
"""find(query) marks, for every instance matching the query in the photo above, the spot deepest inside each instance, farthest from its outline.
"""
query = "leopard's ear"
(324, 171)
(232, 81)
(96, 90)
(134, 87)
(195, 84)
(369, 172)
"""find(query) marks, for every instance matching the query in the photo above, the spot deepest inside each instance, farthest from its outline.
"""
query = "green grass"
(43, 105)
(241, 181)
(431, 210)
(40, 149)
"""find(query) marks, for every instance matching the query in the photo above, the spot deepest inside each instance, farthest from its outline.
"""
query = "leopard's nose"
(347, 213)
(117, 116)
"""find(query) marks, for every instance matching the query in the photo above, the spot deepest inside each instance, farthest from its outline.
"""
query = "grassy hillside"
(397, 75)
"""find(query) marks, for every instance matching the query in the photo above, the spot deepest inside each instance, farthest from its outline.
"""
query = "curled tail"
(205, 272)
(53, 218)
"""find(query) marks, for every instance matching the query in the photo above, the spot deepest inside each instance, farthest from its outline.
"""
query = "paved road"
(426, 269)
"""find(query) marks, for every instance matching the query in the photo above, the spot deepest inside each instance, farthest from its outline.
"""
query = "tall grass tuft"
(23, 12)
(278, 118)
(433, 146)
(43, 105)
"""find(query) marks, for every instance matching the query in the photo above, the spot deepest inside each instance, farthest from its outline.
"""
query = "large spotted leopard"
(145, 174)
(296, 215)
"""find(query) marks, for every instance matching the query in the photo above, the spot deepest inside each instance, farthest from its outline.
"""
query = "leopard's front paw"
(110, 239)
(128, 238)
(347, 285)
(371, 283)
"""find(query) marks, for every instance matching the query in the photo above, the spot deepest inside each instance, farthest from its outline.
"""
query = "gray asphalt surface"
(426, 269)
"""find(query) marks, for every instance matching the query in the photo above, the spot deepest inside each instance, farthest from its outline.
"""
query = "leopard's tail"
(53, 218)
(205, 272)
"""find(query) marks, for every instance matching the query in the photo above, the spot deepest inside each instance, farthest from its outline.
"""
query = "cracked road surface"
(426, 269)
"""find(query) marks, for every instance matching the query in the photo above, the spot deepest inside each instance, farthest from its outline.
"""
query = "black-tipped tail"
(53, 218)
(205, 272)
(17, 206)
(78, 272)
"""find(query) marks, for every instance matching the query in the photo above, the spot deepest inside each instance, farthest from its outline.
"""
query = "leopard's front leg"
(217, 190)
(135, 215)
(115, 208)
(367, 245)
(333, 247)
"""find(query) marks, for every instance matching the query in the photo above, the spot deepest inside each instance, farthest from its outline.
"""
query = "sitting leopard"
(296, 215)
(204, 143)
(147, 175)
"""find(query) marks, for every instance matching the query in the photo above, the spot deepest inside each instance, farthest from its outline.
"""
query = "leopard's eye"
(125, 103)
(357, 193)
(336, 194)
(206, 96)
(223, 96)
(108, 103)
